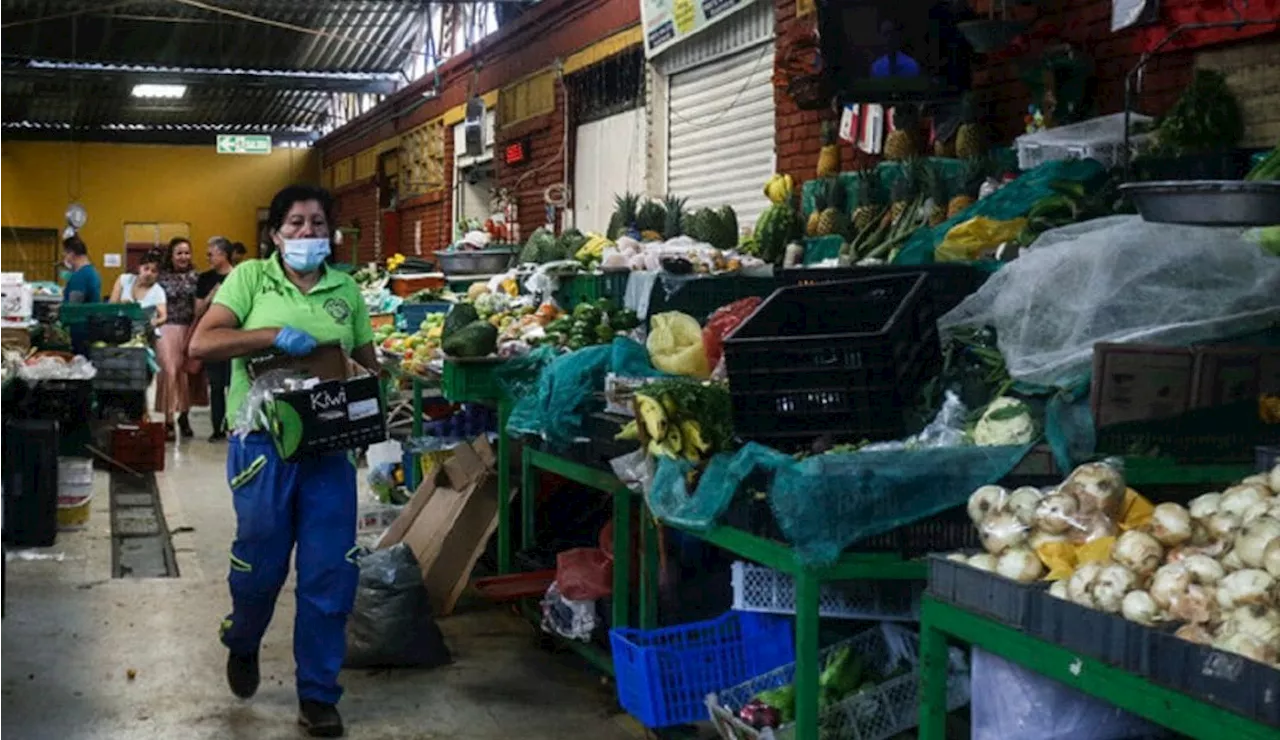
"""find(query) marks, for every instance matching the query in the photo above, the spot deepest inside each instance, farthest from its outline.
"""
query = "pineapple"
(868, 199)
(624, 214)
(829, 155)
(903, 142)
(970, 139)
(819, 205)
(905, 189)
(831, 219)
(673, 226)
(651, 219)
(937, 197)
(946, 149)
(975, 172)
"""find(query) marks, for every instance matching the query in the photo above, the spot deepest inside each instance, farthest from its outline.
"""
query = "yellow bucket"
(73, 510)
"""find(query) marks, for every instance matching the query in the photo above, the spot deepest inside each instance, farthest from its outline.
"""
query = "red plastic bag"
(723, 321)
(584, 574)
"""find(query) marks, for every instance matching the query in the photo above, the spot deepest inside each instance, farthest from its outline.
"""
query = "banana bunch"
(593, 250)
(395, 261)
(779, 188)
(669, 434)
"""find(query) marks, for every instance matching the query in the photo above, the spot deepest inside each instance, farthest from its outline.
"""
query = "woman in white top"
(142, 288)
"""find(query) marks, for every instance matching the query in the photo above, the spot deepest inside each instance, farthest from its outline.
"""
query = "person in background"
(289, 302)
(895, 63)
(142, 288)
(238, 253)
(173, 393)
(221, 253)
(81, 285)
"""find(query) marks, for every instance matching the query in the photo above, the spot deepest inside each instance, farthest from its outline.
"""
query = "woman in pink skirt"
(178, 278)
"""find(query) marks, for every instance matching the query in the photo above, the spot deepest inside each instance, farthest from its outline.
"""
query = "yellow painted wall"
(218, 194)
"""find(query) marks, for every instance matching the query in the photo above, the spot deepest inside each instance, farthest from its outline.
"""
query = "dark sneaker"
(319, 720)
(218, 437)
(242, 674)
(184, 426)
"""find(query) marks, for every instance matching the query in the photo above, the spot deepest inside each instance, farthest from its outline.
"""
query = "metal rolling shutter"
(721, 134)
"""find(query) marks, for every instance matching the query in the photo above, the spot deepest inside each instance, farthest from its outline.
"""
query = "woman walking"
(290, 302)
(221, 252)
(173, 392)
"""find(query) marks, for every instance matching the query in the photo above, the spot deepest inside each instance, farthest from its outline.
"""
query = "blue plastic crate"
(410, 315)
(664, 675)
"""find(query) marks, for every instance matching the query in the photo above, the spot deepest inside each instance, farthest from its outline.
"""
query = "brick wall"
(545, 166)
(1252, 70)
(1000, 92)
(357, 204)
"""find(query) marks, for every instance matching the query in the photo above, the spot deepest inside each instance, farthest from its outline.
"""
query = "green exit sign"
(244, 144)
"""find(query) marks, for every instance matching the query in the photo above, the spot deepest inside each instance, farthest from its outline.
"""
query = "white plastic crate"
(1099, 138)
(760, 589)
(884, 710)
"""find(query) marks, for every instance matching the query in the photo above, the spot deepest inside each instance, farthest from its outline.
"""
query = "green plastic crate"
(470, 381)
(586, 288)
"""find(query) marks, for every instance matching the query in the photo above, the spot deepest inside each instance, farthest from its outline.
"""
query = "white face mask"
(305, 255)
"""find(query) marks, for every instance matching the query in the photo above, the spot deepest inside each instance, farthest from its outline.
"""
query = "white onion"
(986, 501)
(1248, 646)
(1231, 561)
(1023, 502)
(1204, 569)
(1092, 526)
(1097, 486)
(999, 532)
(1056, 513)
(1019, 564)
(1168, 582)
(983, 561)
(1109, 588)
(1138, 606)
(1248, 586)
(1259, 479)
(1273, 479)
(1198, 605)
(1237, 499)
(958, 557)
(1222, 525)
(1059, 590)
(1252, 541)
(1171, 524)
(1194, 633)
(1203, 507)
(1080, 581)
(1255, 512)
(1138, 551)
(1271, 558)
(1256, 620)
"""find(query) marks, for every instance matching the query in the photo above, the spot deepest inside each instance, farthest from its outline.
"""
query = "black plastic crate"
(700, 297)
(1009, 602)
(1108, 637)
(120, 368)
(841, 360)
(948, 282)
(1229, 680)
(67, 402)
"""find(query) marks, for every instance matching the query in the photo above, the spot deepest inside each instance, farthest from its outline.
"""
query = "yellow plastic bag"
(675, 345)
(1062, 558)
(968, 240)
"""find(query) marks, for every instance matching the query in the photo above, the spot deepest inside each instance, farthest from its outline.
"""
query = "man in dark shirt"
(221, 252)
(83, 286)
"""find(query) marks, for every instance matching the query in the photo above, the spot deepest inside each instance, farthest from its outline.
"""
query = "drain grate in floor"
(140, 544)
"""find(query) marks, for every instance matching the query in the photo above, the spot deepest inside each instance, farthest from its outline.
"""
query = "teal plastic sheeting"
(825, 503)
(552, 390)
(1011, 201)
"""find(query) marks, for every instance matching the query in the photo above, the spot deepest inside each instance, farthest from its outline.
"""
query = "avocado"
(460, 316)
(477, 339)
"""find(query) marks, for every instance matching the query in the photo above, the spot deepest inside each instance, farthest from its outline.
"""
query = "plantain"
(693, 439)
(629, 431)
(652, 416)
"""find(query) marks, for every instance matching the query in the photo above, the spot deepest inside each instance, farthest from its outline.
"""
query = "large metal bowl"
(1207, 202)
(476, 262)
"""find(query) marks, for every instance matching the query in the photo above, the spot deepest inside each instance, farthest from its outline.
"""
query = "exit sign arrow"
(244, 144)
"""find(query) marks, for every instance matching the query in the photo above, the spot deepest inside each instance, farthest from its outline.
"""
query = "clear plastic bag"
(1009, 701)
(573, 620)
(1120, 279)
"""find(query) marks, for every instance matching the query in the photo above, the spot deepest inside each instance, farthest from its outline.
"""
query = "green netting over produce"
(952, 171)
(551, 390)
(826, 503)
(819, 248)
(1011, 201)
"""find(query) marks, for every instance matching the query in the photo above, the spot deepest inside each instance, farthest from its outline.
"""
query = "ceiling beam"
(382, 85)
(99, 134)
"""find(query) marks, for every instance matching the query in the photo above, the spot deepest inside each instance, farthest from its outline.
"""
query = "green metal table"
(808, 581)
(624, 500)
(940, 622)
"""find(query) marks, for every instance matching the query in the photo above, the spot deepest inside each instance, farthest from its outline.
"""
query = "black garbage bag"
(391, 625)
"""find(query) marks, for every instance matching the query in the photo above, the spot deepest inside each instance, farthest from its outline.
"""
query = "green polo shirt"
(262, 296)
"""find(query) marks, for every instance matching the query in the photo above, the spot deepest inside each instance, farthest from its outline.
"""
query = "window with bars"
(421, 168)
(612, 86)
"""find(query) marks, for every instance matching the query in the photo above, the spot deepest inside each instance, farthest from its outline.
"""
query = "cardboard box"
(327, 362)
(449, 520)
(331, 416)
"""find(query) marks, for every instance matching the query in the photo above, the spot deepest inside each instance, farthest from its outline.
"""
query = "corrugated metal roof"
(74, 62)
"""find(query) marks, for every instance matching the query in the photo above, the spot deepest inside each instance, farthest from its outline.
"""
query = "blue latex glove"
(294, 341)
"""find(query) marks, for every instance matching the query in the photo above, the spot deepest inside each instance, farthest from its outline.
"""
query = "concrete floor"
(72, 636)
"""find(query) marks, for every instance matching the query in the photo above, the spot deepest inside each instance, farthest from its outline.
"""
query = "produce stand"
(940, 622)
